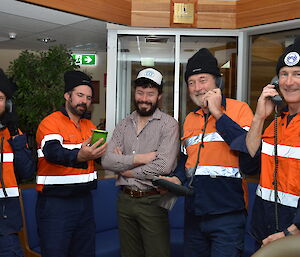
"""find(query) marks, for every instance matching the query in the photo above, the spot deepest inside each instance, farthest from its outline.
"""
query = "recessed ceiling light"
(46, 40)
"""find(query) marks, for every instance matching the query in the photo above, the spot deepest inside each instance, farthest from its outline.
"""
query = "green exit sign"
(84, 59)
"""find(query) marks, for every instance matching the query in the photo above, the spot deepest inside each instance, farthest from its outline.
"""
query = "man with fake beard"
(143, 145)
(66, 174)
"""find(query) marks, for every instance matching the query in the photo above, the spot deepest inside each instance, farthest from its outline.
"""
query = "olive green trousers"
(143, 227)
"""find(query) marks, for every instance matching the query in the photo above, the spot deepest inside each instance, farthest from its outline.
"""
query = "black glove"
(11, 122)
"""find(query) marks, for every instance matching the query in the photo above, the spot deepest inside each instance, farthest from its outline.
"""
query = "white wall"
(97, 72)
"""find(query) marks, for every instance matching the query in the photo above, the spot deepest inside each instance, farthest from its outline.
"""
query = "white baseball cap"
(151, 74)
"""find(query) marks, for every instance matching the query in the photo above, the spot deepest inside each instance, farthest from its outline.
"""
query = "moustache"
(142, 102)
(82, 105)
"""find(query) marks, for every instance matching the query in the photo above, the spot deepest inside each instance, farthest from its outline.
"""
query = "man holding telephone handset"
(276, 210)
(66, 174)
(215, 213)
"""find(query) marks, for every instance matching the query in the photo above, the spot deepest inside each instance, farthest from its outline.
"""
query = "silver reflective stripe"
(67, 146)
(283, 198)
(11, 192)
(40, 153)
(183, 149)
(51, 137)
(8, 157)
(217, 171)
(68, 179)
(209, 137)
(283, 150)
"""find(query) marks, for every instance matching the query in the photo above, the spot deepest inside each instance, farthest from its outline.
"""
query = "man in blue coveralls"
(215, 213)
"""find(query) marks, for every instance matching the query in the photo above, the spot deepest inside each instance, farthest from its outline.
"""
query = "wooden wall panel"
(246, 5)
(151, 5)
(211, 13)
(257, 12)
(117, 11)
(156, 13)
(217, 6)
(216, 14)
(150, 19)
(214, 20)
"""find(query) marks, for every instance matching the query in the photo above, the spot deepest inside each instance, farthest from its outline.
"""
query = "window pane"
(137, 52)
(224, 49)
(265, 51)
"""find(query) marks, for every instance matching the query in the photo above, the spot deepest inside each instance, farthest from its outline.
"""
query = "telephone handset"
(277, 99)
(9, 105)
(8, 109)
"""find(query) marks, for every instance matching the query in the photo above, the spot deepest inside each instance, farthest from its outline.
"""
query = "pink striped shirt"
(160, 134)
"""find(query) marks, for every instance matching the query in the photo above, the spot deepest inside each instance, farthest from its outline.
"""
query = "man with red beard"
(143, 145)
(66, 174)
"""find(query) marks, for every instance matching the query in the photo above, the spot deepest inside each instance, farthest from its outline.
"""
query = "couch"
(105, 207)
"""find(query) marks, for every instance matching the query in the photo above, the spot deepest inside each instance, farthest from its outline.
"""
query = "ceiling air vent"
(154, 39)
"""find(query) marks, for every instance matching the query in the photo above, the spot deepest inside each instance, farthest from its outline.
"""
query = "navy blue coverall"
(215, 214)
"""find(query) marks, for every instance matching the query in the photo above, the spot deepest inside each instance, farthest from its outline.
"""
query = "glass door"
(137, 52)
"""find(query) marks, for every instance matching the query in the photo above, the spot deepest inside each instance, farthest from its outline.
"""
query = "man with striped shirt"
(66, 174)
(143, 145)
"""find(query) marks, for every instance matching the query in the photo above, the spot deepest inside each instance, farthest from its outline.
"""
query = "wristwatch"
(287, 233)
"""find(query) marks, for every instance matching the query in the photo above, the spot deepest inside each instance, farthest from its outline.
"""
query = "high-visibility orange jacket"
(10, 187)
(288, 179)
(59, 141)
(217, 184)
(17, 164)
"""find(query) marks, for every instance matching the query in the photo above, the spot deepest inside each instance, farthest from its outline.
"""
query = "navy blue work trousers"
(66, 226)
(10, 246)
(214, 235)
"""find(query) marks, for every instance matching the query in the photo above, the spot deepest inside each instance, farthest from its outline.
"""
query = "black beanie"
(202, 62)
(76, 78)
(7, 87)
(290, 56)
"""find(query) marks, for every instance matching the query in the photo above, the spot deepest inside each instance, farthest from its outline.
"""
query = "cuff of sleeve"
(19, 142)
(75, 153)
(222, 122)
(286, 232)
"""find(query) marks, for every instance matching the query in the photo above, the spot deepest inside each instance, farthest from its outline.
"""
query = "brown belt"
(139, 193)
